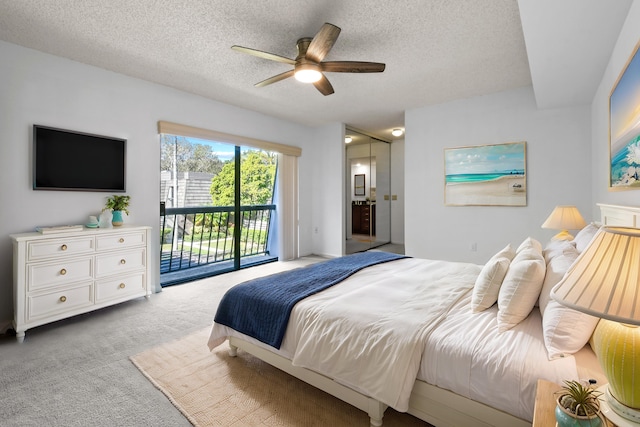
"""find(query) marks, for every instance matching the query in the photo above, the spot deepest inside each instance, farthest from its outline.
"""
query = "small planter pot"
(117, 220)
(567, 419)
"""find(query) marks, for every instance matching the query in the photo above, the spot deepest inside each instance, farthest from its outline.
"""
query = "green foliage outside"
(190, 157)
(257, 176)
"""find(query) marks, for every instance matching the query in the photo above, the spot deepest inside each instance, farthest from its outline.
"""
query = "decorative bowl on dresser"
(59, 275)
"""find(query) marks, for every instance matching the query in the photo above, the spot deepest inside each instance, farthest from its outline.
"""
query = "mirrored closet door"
(367, 190)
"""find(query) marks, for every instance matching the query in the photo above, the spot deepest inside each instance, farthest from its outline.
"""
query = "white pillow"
(529, 242)
(557, 247)
(487, 286)
(560, 255)
(584, 236)
(565, 330)
(521, 287)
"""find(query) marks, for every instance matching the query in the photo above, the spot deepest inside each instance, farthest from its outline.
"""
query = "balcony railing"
(198, 236)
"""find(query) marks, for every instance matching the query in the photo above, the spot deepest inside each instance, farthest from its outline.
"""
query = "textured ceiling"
(435, 50)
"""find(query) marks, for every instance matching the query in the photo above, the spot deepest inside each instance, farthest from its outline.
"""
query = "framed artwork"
(486, 175)
(624, 127)
(358, 185)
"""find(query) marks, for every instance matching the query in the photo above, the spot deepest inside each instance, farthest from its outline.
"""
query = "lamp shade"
(605, 282)
(564, 218)
(605, 279)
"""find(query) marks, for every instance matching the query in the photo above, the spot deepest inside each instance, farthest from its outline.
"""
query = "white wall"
(325, 165)
(629, 37)
(558, 160)
(48, 90)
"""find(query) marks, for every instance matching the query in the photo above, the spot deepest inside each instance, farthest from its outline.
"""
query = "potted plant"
(117, 204)
(578, 405)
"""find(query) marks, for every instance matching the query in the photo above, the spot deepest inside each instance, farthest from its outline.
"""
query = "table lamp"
(564, 218)
(605, 282)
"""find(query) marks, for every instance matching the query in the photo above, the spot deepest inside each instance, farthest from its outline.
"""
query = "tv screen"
(68, 160)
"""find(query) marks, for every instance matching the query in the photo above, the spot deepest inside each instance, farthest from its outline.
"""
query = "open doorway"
(368, 189)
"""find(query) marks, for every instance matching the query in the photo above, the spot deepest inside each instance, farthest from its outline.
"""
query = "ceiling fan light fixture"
(307, 73)
(397, 132)
(308, 67)
(308, 76)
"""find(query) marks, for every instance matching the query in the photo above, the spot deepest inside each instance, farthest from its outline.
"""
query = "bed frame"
(432, 404)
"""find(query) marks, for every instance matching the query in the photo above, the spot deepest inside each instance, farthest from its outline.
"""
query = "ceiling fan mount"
(308, 66)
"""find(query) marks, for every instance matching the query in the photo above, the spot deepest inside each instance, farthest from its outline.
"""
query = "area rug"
(214, 389)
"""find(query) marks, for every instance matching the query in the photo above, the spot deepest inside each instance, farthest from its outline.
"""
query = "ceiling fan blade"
(275, 78)
(352, 67)
(324, 86)
(264, 55)
(322, 42)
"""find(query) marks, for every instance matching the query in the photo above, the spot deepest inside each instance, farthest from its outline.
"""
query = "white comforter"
(370, 333)
(424, 313)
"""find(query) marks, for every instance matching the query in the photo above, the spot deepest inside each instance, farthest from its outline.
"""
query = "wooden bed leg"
(233, 350)
(376, 412)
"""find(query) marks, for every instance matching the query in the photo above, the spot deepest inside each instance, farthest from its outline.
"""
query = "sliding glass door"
(218, 205)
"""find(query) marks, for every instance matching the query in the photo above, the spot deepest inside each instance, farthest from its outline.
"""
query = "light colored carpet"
(77, 372)
(214, 389)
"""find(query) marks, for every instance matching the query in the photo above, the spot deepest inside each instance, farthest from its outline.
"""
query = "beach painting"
(486, 175)
(624, 128)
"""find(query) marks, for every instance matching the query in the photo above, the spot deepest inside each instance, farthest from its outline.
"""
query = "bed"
(426, 336)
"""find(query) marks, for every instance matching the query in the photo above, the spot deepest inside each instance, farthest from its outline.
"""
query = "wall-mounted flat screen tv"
(76, 161)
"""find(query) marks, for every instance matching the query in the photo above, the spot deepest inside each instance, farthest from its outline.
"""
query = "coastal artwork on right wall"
(624, 127)
(486, 175)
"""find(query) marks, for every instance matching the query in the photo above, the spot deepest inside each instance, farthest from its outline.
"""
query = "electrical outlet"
(473, 247)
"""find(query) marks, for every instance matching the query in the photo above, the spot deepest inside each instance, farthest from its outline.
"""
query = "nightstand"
(544, 412)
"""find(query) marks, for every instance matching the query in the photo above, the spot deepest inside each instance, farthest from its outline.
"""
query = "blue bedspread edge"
(261, 307)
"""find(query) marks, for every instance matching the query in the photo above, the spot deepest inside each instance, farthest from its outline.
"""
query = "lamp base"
(563, 235)
(616, 412)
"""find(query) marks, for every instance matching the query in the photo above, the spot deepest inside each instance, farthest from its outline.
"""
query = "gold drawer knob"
(63, 298)
(122, 286)
(121, 240)
(123, 261)
(63, 247)
(63, 271)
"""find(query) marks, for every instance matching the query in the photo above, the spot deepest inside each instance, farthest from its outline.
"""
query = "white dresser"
(59, 275)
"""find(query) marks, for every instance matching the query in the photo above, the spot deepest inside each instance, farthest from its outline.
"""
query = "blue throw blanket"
(261, 308)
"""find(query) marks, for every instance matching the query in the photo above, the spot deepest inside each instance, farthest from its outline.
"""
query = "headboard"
(624, 216)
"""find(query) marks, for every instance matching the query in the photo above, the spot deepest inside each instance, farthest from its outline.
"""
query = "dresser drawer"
(120, 262)
(60, 300)
(59, 248)
(120, 240)
(45, 275)
(120, 287)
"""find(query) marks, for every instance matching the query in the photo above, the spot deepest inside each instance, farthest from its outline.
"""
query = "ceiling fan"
(308, 66)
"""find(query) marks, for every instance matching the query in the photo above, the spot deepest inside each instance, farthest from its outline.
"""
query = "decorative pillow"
(558, 247)
(529, 242)
(560, 255)
(565, 330)
(584, 236)
(487, 286)
(521, 287)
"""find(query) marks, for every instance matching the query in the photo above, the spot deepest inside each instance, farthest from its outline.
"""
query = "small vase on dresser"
(117, 204)
(117, 220)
